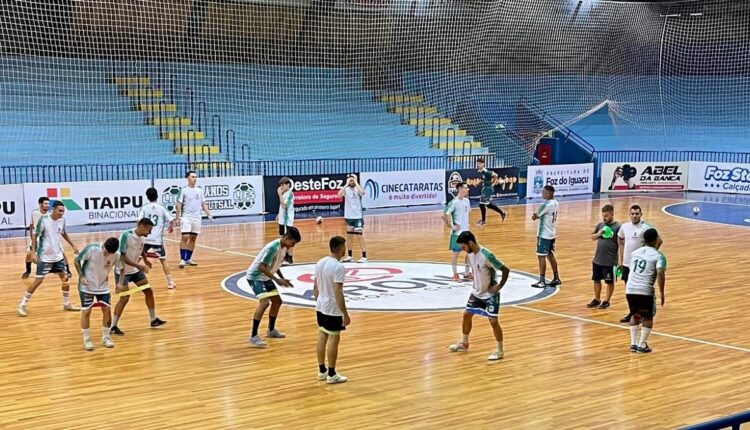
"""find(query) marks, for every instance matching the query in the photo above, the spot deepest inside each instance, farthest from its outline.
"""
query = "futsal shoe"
(503, 214)
(21, 309)
(171, 285)
(497, 355)
(593, 304)
(604, 305)
(346, 259)
(191, 263)
(625, 319)
(88, 345)
(322, 376)
(480, 222)
(362, 260)
(456, 277)
(157, 322)
(107, 342)
(459, 347)
(540, 284)
(633, 348)
(71, 307)
(256, 342)
(182, 264)
(555, 282)
(25, 275)
(336, 379)
(644, 349)
(275, 334)
(116, 330)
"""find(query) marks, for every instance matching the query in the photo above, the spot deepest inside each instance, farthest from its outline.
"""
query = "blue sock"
(188, 254)
(183, 253)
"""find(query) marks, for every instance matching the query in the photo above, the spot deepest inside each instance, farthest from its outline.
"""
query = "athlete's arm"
(67, 239)
(341, 301)
(264, 269)
(661, 279)
(497, 287)
(315, 289)
(620, 249)
(659, 242)
(208, 212)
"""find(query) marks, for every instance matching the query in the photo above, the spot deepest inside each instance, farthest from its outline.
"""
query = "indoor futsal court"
(374, 214)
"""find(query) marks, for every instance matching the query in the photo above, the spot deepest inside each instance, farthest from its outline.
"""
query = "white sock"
(465, 339)
(169, 279)
(115, 320)
(645, 331)
(152, 314)
(500, 346)
(634, 335)
(86, 334)
(26, 298)
(66, 298)
(105, 332)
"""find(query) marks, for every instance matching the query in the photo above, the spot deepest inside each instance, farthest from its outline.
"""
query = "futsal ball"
(319, 220)
(696, 210)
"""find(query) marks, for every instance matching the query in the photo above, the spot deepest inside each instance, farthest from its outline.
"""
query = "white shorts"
(191, 225)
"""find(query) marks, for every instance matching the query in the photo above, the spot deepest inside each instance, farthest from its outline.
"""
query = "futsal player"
(484, 300)
(647, 266)
(545, 241)
(330, 307)
(189, 209)
(456, 217)
(485, 200)
(605, 257)
(46, 247)
(155, 241)
(36, 215)
(286, 213)
(352, 193)
(630, 238)
(261, 275)
(93, 265)
(131, 269)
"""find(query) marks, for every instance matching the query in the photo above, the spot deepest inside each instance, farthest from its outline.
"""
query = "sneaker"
(336, 379)
(594, 303)
(468, 277)
(555, 282)
(116, 330)
(625, 319)
(191, 263)
(459, 347)
(604, 305)
(480, 222)
(182, 264)
(644, 350)
(322, 376)
(88, 345)
(25, 275)
(107, 342)
(21, 309)
(362, 260)
(275, 334)
(257, 342)
(456, 277)
(157, 322)
(71, 307)
(633, 348)
(497, 355)
(540, 284)
(346, 259)
(503, 214)
(171, 285)
(285, 263)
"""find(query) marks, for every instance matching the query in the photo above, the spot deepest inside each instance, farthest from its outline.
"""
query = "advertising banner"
(651, 176)
(568, 179)
(225, 196)
(405, 188)
(719, 177)
(11, 207)
(311, 193)
(504, 186)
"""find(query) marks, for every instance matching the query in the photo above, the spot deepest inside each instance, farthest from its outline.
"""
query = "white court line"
(624, 327)
(664, 210)
(242, 254)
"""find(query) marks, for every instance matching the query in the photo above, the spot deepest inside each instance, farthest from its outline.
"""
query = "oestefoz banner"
(405, 188)
(503, 186)
(568, 179)
(90, 202)
(11, 207)
(225, 196)
(719, 177)
(652, 176)
(317, 193)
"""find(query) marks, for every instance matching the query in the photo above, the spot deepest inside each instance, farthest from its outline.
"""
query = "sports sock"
(634, 335)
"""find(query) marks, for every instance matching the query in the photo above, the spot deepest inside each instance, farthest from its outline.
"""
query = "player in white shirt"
(188, 210)
(93, 265)
(484, 300)
(46, 245)
(130, 269)
(162, 220)
(261, 276)
(286, 212)
(630, 238)
(456, 217)
(545, 240)
(330, 307)
(35, 216)
(647, 266)
(352, 193)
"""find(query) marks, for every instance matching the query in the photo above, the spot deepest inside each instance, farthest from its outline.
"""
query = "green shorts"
(355, 223)
(453, 245)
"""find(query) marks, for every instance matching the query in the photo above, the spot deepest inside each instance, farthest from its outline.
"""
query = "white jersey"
(328, 272)
(272, 255)
(192, 200)
(352, 203)
(49, 239)
(644, 263)
(160, 217)
(95, 267)
(286, 216)
(484, 265)
(35, 217)
(632, 234)
(459, 210)
(131, 245)
(547, 214)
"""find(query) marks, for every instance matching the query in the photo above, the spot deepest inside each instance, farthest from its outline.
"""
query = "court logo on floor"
(394, 286)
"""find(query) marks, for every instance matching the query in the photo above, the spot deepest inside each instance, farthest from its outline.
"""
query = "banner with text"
(225, 196)
(11, 207)
(503, 186)
(405, 188)
(719, 177)
(568, 179)
(651, 176)
(90, 202)
(317, 193)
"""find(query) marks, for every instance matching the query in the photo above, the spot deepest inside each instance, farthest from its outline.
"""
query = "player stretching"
(190, 203)
(36, 215)
(488, 178)
(352, 193)
(155, 241)
(93, 265)
(545, 242)
(286, 213)
(46, 247)
(647, 265)
(456, 217)
(330, 307)
(485, 298)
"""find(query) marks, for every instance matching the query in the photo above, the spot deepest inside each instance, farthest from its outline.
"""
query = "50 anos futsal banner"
(652, 176)
(225, 196)
(719, 177)
(11, 207)
(504, 186)
(568, 179)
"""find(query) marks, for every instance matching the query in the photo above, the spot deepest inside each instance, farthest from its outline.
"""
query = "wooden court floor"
(566, 366)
